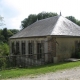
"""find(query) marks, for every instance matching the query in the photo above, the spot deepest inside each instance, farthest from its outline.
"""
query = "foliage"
(13, 31)
(33, 18)
(4, 46)
(73, 19)
(9, 33)
(1, 38)
(37, 70)
(44, 15)
(4, 49)
(3, 63)
(1, 21)
(6, 33)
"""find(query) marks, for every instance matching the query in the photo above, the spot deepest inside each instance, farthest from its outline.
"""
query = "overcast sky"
(14, 11)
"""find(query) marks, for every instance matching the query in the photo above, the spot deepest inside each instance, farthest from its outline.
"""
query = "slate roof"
(57, 25)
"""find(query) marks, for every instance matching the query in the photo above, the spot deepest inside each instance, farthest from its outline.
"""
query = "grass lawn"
(4, 74)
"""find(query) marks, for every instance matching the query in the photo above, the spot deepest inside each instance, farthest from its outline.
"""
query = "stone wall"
(59, 48)
(51, 48)
(26, 40)
(35, 40)
(65, 47)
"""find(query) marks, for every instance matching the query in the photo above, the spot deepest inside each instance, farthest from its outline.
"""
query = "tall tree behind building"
(33, 18)
(5, 34)
(73, 19)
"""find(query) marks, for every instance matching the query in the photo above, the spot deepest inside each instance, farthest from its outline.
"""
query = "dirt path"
(68, 74)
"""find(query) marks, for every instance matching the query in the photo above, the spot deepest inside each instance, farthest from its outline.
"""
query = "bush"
(3, 63)
(4, 49)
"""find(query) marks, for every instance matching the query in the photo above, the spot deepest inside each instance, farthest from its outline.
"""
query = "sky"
(14, 11)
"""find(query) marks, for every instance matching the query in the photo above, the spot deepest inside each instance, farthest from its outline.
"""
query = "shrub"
(3, 63)
(4, 49)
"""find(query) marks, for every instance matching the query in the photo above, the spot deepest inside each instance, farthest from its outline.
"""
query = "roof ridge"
(47, 18)
(55, 23)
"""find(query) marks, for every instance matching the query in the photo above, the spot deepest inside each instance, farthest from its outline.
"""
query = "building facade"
(49, 40)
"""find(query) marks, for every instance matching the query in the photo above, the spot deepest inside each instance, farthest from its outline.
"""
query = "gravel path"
(68, 74)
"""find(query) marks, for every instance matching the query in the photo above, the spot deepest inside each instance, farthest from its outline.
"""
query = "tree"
(1, 21)
(9, 33)
(78, 23)
(1, 24)
(14, 31)
(27, 21)
(5, 34)
(33, 18)
(4, 49)
(2, 39)
(44, 15)
(1, 36)
(73, 19)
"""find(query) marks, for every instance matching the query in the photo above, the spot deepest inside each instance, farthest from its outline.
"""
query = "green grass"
(4, 74)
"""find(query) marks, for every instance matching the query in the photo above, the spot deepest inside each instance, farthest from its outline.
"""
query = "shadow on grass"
(41, 66)
(46, 65)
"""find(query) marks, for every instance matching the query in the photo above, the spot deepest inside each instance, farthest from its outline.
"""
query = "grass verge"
(4, 74)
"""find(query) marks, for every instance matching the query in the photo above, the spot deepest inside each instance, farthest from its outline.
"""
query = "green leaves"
(73, 19)
(4, 49)
(33, 18)
(6, 33)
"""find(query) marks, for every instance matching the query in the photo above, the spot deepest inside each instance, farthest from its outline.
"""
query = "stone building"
(52, 39)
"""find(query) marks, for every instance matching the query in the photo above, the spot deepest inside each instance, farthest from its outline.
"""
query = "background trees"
(33, 18)
(6, 33)
(4, 38)
(4, 49)
(73, 19)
